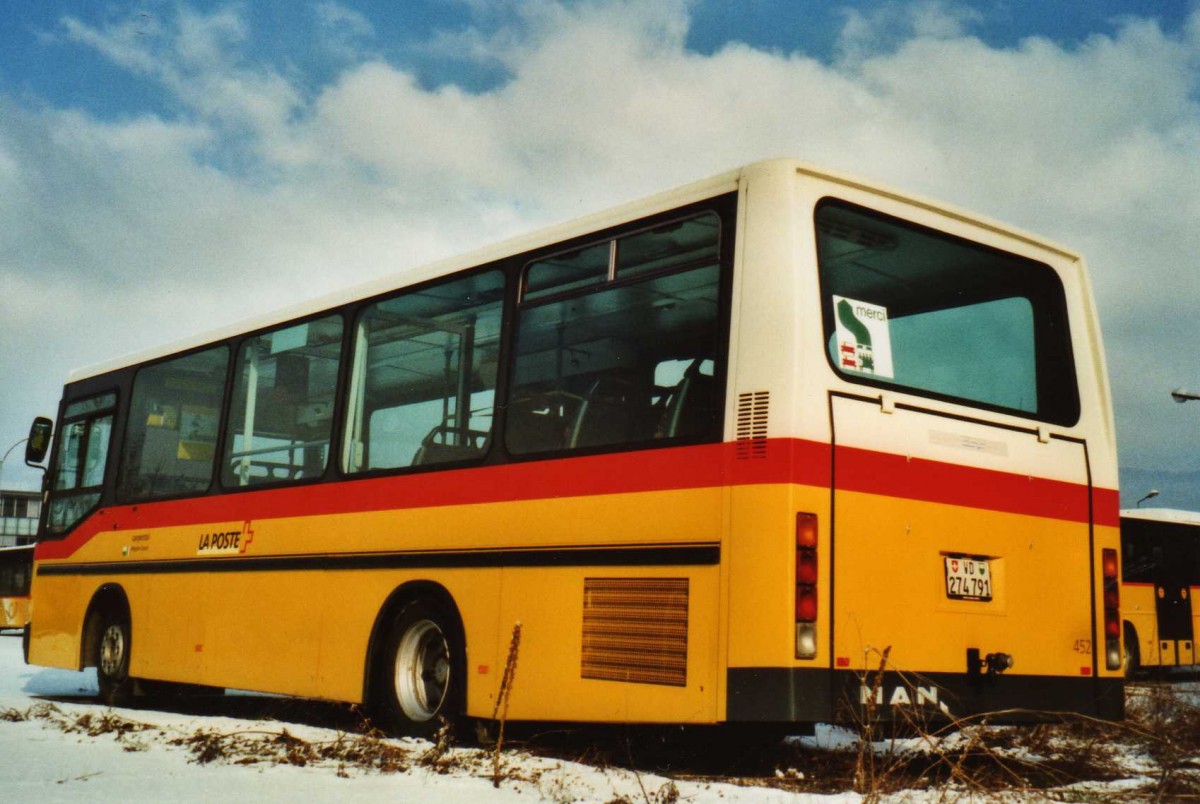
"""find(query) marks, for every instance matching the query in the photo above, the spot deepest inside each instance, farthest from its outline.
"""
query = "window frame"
(88, 417)
(1053, 355)
(359, 312)
(127, 414)
(225, 441)
(613, 237)
(725, 208)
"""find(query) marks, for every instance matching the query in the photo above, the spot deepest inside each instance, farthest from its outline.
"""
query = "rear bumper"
(799, 695)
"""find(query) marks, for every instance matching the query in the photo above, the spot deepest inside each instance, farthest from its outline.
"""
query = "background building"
(19, 511)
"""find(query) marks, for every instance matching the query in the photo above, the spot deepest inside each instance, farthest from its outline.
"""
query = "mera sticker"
(864, 342)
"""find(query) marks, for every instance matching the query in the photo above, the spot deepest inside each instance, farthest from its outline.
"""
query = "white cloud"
(264, 193)
(887, 26)
(343, 32)
(201, 60)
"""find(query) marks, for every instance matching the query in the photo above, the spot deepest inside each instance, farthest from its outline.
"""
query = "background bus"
(1160, 575)
(719, 451)
(16, 576)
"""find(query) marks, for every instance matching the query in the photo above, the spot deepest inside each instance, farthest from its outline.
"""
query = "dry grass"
(1158, 748)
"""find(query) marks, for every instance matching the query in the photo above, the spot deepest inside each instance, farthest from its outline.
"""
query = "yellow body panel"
(306, 632)
(762, 575)
(895, 548)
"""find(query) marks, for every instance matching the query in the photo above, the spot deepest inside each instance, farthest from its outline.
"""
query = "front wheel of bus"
(112, 660)
(421, 670)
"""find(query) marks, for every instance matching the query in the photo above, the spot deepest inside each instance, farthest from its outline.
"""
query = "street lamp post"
(5, 456)
(1182, 395)
(1151, 494)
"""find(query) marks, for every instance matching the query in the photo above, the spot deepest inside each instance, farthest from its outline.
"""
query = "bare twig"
(501, 708)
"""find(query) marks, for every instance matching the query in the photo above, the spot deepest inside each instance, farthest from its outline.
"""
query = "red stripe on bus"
(932, 481)
(704, 466)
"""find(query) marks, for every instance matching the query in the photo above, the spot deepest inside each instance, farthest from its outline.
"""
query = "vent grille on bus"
(752, 424)
(635, 629)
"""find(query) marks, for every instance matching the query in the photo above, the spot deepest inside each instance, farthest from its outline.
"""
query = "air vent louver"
(635, 629)
(752, 424)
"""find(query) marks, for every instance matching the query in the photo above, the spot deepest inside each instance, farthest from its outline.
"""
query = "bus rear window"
(943, 317)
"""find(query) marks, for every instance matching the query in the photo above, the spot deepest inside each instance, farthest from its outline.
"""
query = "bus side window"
(1194, 563)
(281, 411)
(171, 438)
(688, 403)
(423, 381)
(1141, 552)
(616, 409)
(590, 343)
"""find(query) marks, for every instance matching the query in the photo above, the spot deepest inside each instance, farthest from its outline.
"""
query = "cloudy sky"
(168, 167)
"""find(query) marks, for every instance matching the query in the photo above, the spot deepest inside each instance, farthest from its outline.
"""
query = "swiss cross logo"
(228, 542)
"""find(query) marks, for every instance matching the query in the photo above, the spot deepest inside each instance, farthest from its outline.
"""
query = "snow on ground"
(40, 762)
(58, 744)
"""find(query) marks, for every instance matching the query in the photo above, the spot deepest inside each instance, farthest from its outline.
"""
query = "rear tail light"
(806, 586)
(1112, 610)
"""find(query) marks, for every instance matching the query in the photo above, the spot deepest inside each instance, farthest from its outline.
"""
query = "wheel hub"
(422, 670)
(112, 650)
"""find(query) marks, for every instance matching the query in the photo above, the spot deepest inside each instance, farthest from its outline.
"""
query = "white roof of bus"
(614, 216)
(1162, 515)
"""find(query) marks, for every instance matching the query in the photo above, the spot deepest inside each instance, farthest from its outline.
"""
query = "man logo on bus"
(903, 695)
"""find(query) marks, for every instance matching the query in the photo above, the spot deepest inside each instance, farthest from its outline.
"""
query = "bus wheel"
(1131, 662)
(112, 660)
(420, 678)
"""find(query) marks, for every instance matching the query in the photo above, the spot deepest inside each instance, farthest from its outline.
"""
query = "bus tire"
(1131, 661)
(112, 659)
(421, 670)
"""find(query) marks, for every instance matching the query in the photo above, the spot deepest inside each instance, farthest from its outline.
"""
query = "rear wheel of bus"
(420, 671)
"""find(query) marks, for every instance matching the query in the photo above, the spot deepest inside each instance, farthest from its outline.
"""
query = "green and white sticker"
(864, 343)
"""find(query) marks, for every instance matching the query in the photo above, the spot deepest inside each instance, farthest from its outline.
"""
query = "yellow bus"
(16, 575)
(1160, 574)
(718, 451)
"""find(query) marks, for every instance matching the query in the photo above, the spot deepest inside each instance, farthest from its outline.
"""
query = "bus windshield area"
(942, 317)
(78, 473)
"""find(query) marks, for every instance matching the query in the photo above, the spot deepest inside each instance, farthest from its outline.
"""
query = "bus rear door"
(962, 539)
(959, 548)
(1173, 602)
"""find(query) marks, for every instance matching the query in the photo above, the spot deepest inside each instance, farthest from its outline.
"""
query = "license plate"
(968, 578)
